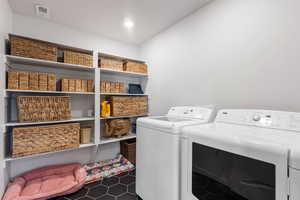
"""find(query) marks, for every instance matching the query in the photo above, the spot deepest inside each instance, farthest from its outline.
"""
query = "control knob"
(256, 118)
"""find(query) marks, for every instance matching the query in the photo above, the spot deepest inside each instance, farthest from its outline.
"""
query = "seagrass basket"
(124, 106)
(72, 57)
(40, 139)
(30, 48)
(43, 108)
(117, 128)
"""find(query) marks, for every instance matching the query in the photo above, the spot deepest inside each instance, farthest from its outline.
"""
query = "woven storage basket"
(90, 85)
(40, 139)
(84, 85)
(65, 85)
(23, 80)
(77, 58)
(30, 48)
(13, 79)
(128, 150)
(43, 82)
(33, 80)
(85, 135)
(43, 108)
(117, 127)
(51, 82)
(111, 64)
(123, 106)
(111, 87)
(137, 67)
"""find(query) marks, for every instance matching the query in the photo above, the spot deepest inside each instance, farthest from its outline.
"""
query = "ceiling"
(106, 17)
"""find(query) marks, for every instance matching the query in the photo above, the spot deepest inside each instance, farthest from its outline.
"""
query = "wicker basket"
(13, 79)
(85, 135)
(111, 87)
(51, 82)
(40, 139)
(117, 128)
(29, 48)
(137, 67)
(90, 85)
(128, 150)
(77, 58)
(76, 85)
(111, 64)
(43, 82)
(43, 108)
(33, 80)
(23, 80)
(124, 106)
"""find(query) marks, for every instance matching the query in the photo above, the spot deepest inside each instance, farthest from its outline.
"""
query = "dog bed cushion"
(46, 182)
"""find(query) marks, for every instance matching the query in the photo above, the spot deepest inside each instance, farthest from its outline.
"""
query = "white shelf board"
(123, 73)
(49, 92)
(49, 122)
(122, 94)
(47, 153)
(128, 116)
(105, 140)
(46, 63)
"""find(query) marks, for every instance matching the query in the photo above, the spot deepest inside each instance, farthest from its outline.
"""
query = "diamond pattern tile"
(121, 187)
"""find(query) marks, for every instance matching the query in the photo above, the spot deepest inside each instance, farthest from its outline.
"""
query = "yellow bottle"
(105, 109)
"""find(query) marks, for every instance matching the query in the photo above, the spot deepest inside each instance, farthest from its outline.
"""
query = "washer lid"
(253, 136)
(166, 124)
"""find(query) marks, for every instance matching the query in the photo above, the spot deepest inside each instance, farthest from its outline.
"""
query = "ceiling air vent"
(42, 11)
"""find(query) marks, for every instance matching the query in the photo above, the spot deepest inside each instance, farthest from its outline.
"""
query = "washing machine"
(244, 155)
(158, 151)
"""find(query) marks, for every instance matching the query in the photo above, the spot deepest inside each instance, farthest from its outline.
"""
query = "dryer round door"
(236, 168)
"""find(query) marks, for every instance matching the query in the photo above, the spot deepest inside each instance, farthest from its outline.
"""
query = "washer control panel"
(262, 118)
(191, 112)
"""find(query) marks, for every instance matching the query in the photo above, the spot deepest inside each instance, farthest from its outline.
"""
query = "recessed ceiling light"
(128, 23)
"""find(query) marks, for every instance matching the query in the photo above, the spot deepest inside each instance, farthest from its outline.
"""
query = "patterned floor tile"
(121, 187)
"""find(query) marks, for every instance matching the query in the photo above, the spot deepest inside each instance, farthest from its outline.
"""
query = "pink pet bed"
(46, 182)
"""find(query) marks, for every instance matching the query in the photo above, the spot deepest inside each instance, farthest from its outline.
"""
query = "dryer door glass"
(222, 175)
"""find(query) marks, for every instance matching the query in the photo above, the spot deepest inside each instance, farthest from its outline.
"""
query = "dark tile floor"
(121, 187)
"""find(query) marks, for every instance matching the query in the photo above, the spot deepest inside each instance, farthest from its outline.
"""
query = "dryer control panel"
(261, 118)
(190, 112)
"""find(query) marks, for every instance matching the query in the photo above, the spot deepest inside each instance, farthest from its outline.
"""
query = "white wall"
(5, 27)
(46, 30)
(232, 53)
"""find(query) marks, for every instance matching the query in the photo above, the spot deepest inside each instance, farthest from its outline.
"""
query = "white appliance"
(158, 148)
(245, 154)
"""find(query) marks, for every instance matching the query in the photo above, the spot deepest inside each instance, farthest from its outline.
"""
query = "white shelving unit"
(10, 159)
(121, 117)
(46, 63)
(122, 94)
(112, 140)
(81, 103)
(122, 73)
(125, 77)
(49, 92)
(51, 122)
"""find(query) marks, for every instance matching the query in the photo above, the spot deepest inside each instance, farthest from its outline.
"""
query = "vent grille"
(42, 11)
